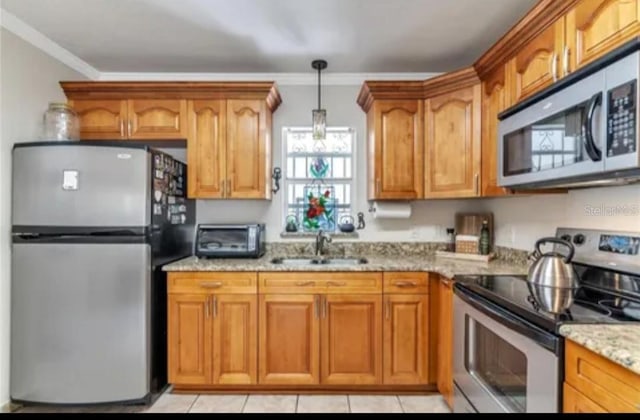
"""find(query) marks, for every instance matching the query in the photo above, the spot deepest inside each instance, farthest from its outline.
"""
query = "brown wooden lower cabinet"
(575, 401)
(406, 339)
(212, 339)
(189, 339)
(445, 339)
(289, 340)
(281, 331)
(351, 340)
(597, 384)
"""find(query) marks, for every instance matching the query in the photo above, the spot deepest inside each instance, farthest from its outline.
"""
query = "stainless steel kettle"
(553, 269)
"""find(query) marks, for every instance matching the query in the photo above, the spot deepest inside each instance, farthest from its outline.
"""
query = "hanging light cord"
(319, 93)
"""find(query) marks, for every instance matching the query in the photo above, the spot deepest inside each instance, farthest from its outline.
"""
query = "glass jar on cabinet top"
(60, 123)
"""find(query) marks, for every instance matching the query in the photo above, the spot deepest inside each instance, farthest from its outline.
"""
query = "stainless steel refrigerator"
(93, 222)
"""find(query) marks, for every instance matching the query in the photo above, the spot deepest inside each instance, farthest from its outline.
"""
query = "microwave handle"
(592, 150)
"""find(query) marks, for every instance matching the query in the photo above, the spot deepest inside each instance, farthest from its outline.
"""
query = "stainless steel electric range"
(508, 354)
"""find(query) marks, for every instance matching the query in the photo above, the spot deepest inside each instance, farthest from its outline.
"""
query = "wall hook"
(277, 175)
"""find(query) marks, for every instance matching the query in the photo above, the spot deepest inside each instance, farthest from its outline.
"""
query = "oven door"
(559, 137)
(501, 363)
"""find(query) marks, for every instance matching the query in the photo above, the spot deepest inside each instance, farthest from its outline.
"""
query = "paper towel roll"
(391, 210)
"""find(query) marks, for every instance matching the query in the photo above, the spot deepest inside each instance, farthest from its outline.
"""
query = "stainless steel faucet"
(322, 238)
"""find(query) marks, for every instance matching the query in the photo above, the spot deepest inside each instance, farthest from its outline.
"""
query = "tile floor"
(182, 403)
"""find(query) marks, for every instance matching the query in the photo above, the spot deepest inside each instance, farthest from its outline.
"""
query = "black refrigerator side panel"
(173, 214)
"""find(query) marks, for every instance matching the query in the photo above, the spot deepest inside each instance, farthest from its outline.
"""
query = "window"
(318, 177)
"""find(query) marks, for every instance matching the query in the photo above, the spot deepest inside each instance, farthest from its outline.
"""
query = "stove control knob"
(566, 237)
(578, 239)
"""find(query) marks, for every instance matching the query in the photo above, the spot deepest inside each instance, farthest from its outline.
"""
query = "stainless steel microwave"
(230, 241)
(580, 132)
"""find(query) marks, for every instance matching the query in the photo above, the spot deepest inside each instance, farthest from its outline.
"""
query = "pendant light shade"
(319, 115)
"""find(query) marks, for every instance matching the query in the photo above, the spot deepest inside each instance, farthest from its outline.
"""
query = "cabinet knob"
(129, 128)
(122, 128)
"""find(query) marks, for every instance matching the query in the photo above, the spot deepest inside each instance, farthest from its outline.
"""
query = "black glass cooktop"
(517, 295)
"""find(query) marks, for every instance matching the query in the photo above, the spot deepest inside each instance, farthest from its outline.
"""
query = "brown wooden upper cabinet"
(495, 99)
(536, 65)
(395, 150)
(108, 119)
(227, 126)
(102, 118)
(587, 31)
(452, 144)
(229, 149)
(595, 27)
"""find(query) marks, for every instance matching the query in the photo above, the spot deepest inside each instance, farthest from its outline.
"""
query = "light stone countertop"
(443, 266)
(619, 343)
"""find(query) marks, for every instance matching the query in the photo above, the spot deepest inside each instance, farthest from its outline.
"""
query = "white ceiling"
(272, 35)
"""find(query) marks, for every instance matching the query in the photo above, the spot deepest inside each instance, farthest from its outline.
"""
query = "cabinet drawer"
(190, 282)
(612, 386)
(409, 283)
(311, 282)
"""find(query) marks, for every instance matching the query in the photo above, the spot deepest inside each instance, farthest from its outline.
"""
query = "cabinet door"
(288, 339)
(537, 64)
(495, 99)
(406, 340)
(157, 119)
(452, 124)
(395, 150)
(445, 340)
(235, 339)
(595, 27)
(573, 401)
(206, 148)
(351, 340)
(101, 119)
(189, 339)
(248, 149)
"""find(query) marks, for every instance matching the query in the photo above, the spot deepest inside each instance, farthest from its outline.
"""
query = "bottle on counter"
(451, 240)
(484, 238)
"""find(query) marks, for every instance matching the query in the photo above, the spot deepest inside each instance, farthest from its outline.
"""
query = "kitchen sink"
(319, 261)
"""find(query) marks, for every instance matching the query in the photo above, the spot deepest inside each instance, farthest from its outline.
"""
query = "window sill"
(313, 234)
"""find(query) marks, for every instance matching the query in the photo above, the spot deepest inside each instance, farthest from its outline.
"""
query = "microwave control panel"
(621, 119)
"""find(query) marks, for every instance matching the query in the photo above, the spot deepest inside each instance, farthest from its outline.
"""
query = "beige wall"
(28, 82)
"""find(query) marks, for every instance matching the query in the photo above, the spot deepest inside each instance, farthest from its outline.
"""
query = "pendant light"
(319, 115)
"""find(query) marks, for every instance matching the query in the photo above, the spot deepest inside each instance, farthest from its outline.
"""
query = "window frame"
(284, 210)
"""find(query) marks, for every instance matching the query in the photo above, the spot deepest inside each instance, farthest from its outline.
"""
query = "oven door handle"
(587, 123)
(504, 317)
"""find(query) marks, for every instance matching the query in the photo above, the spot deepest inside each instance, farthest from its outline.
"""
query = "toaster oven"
(230, 241)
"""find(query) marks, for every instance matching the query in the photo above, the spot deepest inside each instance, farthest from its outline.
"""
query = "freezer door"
(81, 186)
(80, 322)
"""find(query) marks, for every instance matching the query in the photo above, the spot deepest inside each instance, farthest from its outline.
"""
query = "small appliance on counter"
(230, 241)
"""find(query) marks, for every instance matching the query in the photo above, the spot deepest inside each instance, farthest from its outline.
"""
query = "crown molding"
(266, 91)
(282, 79)
(415, 90)
(21, 29)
